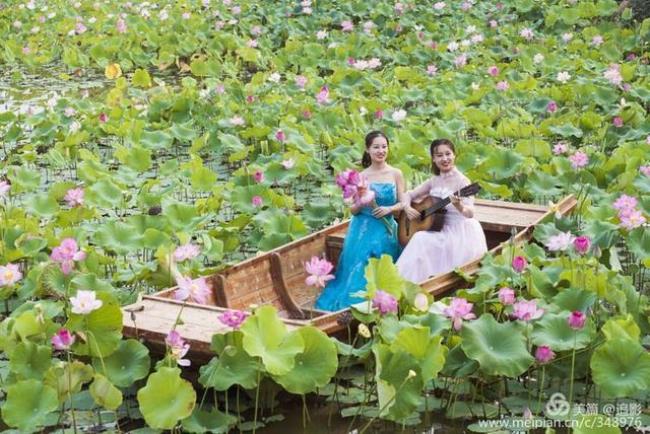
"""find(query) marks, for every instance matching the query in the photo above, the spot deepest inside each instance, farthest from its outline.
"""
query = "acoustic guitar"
(432, 214)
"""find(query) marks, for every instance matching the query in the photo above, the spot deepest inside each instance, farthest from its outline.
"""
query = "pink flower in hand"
(384, 302)
(506, 296)
(459, 309)
(233, 318)
(74, 197)
(85, 302)
(582, 244)
(519, 263)
(195, 290)
(9, 274)
(527, 310)
(177, 347)
(544, 354)
(577, 320)
(63, 339)
(319, 271)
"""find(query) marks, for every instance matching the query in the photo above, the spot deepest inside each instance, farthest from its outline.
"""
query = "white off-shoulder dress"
(461, 239)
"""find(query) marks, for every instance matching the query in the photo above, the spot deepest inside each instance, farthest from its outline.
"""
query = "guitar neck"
(439, 205)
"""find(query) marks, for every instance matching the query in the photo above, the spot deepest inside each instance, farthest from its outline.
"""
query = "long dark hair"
(432, 149)
(372, 135)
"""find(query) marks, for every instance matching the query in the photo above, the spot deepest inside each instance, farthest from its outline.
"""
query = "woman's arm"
(401, 192)
(417, 192)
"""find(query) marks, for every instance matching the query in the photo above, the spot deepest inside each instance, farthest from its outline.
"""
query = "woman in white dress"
(461, 239)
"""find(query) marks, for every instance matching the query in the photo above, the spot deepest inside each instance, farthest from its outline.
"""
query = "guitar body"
(433, 222)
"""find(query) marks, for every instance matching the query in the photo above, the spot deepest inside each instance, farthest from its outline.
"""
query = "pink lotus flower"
(85, 302)
(631, 219)
(421, 302)
(177, 347)
(577, 320)
(617, 121)
(625, 202)
(74, 197)
(288, 163)
(519, 263)
(103, 118)
(579, 160)
(551, 107)
(560, 148)
(613, 74)
(257, 201)
(597, 40)
(120, 26)
(301, 81)
(237, 121)
(66, 254)
(643, 169)
(250, 99)
(460, 60)
(323, 96)
(4, 188)
(432, 70)
(233, 318)
(62, 340)
(379, 114)
(26, 50)
(458, 310)
(280, 136)
(384, 302)
(306, 114)
(493, 70)
(544, 354)
(506, 296)
(502, 86)
(527, 310)
(526, 33)
(80, 28)
(582, 244)
(319, 272)
(195, 290)
(347, 26)
(9, 274)
(559, 242)
(186, 251)
(258, 176)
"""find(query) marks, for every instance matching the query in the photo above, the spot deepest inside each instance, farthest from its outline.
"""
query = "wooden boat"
(278, 277)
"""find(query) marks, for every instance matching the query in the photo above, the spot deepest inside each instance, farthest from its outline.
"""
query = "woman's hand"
(411, 213)
(381, 211)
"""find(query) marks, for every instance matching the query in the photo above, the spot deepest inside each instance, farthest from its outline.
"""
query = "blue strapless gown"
(367, 237)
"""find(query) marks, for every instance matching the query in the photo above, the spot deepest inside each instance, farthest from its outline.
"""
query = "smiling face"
(443, 158)
(378, 149)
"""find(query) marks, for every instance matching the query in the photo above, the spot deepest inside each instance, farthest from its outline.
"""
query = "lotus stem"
(385, 406)
(74, 418)
(257, 401)
(573, 365)
(541, 390)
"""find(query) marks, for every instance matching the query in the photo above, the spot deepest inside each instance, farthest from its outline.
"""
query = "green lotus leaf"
(156, 139)
(136, 158)
(129, 362)
(231, 366)
(29, 360)
(621, 327)
(202, 178)
(280, 228)
(105, 393)
(536, 148)
(141, 78)
(314, 367)
(28, 325)
(621, 367)
(639, 243)
(502, 163)
(209, 421)
(43, 205)
(265, 336)
(166, 398)
(572, 299)
(182, 217)
(67, 378)
(399, 393)
(102, 328)
(104, 193)
(382, 274)
(428, 351)
(499, 348)
(457, 364)
(23, 179)
(542, 184)
(567, 130)
(242, 197)
(436, 323)
(27, 404)
(553, 330)
(183, 132)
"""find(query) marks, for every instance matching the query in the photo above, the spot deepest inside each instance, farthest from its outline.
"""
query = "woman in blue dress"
(368, 235)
